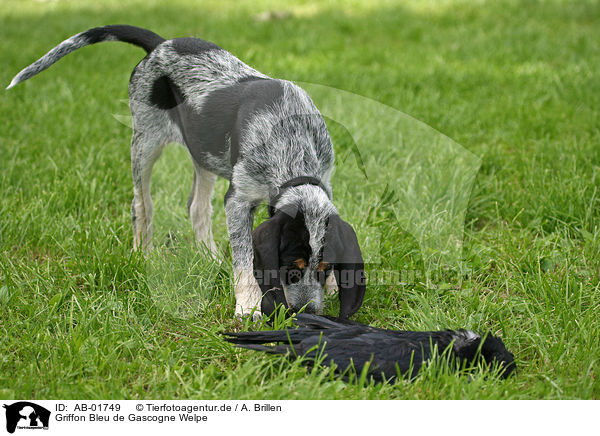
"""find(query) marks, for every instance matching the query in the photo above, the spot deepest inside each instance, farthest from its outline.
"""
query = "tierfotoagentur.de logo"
(27, 416)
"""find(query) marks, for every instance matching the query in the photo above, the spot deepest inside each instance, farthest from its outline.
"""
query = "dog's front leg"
(240, 217)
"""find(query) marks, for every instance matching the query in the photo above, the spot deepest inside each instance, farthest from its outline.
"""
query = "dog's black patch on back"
(192, 46)
(256, 96)
(165, 94)
(216, 128)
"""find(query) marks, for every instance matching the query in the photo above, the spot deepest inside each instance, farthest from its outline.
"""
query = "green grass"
(513, 82)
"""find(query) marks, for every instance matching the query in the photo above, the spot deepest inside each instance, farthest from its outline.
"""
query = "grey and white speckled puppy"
(264, 135)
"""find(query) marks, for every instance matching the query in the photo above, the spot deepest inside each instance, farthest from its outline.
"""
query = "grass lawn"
(515, 83)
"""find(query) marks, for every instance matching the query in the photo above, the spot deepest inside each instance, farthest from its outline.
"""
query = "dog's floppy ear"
(342, 251)
(265, 242)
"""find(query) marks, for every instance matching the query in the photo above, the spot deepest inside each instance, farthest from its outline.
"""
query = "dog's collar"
(276, 194)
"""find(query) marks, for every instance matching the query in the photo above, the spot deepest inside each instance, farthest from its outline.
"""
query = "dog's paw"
(243, 314)
(247, 295)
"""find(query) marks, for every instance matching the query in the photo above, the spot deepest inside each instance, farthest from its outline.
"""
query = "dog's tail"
(133, 35)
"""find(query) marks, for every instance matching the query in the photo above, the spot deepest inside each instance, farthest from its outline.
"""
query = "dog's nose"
(311, 308)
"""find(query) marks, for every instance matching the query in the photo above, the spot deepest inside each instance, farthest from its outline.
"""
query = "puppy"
(267, 138)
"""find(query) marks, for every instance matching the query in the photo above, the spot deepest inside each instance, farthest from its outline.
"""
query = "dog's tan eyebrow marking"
(322, 266)
(300, 263)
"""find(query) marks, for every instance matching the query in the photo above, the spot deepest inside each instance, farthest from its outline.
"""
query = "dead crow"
(388, 352)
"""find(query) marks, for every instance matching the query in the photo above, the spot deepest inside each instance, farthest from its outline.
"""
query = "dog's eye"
(300, 263)
(322, 266)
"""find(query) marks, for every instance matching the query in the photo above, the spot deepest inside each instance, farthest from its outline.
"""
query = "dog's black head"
(290, 272)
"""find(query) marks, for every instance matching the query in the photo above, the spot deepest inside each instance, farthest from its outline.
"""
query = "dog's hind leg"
(145, 150)
(200, 208)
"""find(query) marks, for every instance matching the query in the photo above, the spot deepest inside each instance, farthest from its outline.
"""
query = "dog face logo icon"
(26, 415)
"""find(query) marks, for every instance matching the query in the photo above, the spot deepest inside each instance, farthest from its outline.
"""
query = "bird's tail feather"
(271, 349)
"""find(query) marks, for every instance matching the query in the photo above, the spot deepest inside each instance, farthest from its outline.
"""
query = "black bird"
(345, 342)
